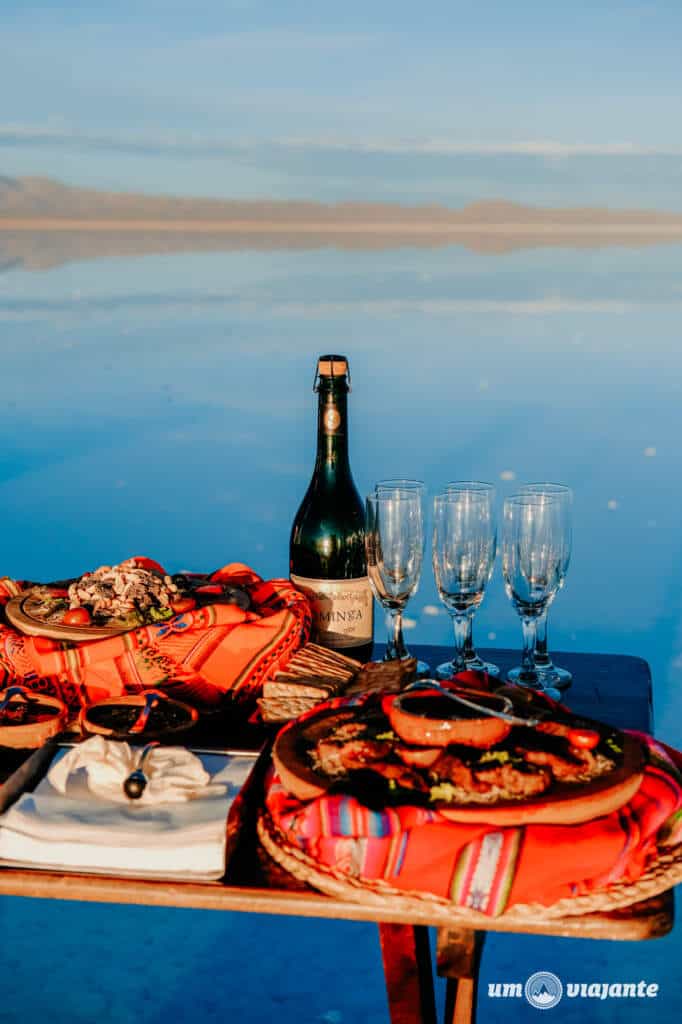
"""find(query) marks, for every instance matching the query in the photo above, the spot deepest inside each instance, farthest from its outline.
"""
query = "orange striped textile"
(198, 657)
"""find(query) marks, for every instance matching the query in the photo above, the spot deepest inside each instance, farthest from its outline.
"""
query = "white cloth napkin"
(65, 825)
(173, 774)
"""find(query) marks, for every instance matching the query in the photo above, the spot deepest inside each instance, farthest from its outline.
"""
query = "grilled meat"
(515, 782)
(113, 592)
(337, 758)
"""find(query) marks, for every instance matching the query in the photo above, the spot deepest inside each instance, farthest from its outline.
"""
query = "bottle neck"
(332, 427)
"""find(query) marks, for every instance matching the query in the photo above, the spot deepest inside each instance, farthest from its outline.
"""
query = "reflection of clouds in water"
(239, 375)
(164, 306)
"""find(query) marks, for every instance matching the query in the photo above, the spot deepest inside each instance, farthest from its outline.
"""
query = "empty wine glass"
(533, 553)
(550, 673)
(464, 544)
(417, 486)
(487, 491)
(394, 543)
(395, 487)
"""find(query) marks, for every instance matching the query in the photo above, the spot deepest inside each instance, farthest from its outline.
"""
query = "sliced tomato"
(584, 739)
(183, 604)
(76, 617)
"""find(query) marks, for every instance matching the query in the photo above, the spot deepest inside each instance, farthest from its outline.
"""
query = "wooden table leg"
(406, 954)
(458, 956)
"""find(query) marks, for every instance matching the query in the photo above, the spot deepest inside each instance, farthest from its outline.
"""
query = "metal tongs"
(431, 684)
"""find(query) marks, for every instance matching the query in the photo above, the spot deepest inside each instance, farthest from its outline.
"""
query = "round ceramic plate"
(29, 718)
(562, 804)
(117, 716)
(22, 612)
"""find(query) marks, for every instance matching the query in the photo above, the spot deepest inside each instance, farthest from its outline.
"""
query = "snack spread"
(125, 595)
(240, 631)
(470, 760)
(137, 592)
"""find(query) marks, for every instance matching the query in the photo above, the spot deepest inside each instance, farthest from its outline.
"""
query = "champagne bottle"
(327, 549)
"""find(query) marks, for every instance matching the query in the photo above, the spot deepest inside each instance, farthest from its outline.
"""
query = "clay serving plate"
(432, 718)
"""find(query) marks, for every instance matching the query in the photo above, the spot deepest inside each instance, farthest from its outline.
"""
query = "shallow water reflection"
(164, 406)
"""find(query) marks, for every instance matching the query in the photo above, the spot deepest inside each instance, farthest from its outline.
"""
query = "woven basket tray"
(665, 872)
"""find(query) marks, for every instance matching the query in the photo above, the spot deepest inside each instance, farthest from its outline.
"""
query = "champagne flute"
(396, 486)
(488, 492)
(551, 674)
(533, 553)
(394, 543)
(464, 544)
(417, 486)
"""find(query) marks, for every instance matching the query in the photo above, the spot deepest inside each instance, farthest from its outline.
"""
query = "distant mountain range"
(44, 223)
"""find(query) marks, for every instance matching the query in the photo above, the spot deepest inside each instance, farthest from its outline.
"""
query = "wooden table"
(614, 688)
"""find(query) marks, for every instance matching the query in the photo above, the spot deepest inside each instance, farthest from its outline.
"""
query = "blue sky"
(254, 98)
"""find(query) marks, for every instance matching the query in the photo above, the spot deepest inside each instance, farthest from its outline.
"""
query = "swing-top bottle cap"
(332, 366)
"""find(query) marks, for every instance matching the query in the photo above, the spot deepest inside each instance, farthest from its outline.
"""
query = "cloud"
(162, 304)
(444, 147)
(32, 135)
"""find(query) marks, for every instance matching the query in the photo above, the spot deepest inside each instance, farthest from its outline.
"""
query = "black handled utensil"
(136, 783)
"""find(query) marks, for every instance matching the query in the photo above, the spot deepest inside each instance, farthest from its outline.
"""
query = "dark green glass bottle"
(327, 550)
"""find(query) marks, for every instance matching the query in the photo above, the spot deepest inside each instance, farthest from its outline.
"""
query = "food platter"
(113, 600)
(22, 613)
(562, 803)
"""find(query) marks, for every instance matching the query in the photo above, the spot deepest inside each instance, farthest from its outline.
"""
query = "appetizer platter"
(112, 600)
(472, 756)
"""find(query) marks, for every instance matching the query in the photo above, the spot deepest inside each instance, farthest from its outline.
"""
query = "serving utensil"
(482, 709)
(151, 700)
(136, 783)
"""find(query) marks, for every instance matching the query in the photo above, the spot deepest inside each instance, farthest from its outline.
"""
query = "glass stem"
(542, 658)
(395, 645)
(529, 628)
(462, 626)
(469, 652)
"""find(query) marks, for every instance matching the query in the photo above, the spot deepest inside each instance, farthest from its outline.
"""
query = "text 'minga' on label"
(342, 610)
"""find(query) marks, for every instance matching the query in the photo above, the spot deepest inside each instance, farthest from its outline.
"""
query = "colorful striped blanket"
(484, 867)
(198, 656)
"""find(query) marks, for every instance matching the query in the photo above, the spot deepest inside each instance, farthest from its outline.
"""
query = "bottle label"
(342, 610)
